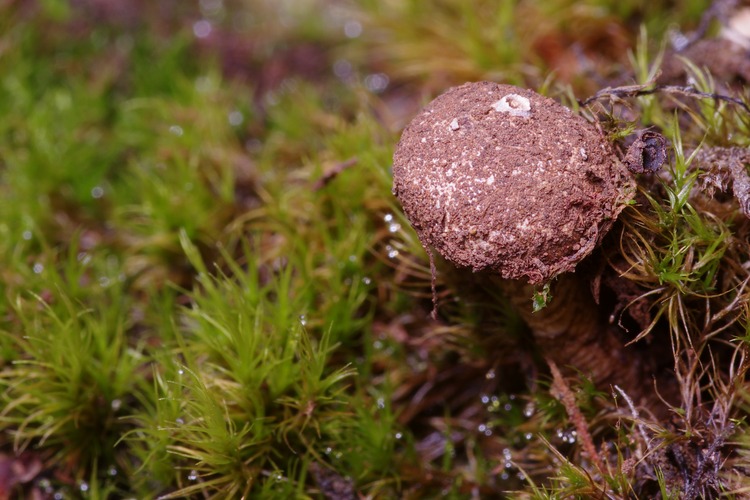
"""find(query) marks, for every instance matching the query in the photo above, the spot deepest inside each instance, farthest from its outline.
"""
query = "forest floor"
(208, 289)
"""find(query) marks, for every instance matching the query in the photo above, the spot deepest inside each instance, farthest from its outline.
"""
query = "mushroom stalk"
(570, 332)
(501, 179)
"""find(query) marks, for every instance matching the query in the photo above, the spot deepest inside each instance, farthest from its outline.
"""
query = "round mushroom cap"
(495, 177)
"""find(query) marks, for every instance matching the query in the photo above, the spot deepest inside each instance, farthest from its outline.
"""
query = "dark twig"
(648, 89)
(333, 172)
(720, 10)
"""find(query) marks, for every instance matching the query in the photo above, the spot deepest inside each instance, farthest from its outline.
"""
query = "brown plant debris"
(647, 153)
(332, 485)
(562, 392)
(724, 169)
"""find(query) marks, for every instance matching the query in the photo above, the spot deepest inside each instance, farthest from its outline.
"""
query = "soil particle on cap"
(508, 191)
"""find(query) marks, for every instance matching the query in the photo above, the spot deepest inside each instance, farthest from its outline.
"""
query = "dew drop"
(528, 436)
(528, 410)
(176, 130)
(202, 28)
(381, 403)
(116, 404)
(83, 258)
(507, 407)
(104, 281)
(180, 372)
(490, 374)
(236, 118)
(388, 217)
(398, 435)
(303, 319)
(377, 82)
(485, 399)
(352, 29)
(343, 69)
(366, 280)
(193, 476)
(84, 486)
(180, 421)
(38, 268)
(112, 471)
(394, 227)
(97, 192)
(26, 235)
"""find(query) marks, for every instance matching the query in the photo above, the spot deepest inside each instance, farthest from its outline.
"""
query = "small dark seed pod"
(647, 153)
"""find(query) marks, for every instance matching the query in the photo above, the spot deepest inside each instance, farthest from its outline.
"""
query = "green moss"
(209, 290)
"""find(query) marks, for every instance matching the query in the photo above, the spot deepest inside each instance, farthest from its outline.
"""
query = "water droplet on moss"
(528, 410)
(236, 118)
(202, 28)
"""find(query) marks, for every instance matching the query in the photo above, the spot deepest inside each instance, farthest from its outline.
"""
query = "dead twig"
(630, 91)
(720, 10)
(332, 172)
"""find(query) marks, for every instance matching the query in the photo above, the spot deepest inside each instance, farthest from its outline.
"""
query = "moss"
(209, 290)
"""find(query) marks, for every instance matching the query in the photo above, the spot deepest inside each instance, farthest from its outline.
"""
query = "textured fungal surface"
(498, 177)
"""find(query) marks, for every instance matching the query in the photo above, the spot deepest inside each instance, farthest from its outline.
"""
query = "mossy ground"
(208, 289)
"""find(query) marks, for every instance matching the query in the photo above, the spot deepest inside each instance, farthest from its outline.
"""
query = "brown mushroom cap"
(497, 177)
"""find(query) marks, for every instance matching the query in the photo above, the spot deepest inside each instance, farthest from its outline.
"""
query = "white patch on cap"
(514, 105)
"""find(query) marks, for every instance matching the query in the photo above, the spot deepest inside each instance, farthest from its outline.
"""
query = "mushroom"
(501, 179)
